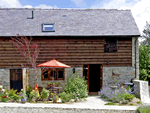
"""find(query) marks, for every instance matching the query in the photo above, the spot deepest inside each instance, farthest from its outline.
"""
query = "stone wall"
(137, 56)
(142, 90)
(50, 109)
(5, 75)
(113, 75)
(43, 83)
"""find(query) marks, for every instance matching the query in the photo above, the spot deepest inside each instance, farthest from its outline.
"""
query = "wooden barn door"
(93, 75)
(86, 74)
(16, 79)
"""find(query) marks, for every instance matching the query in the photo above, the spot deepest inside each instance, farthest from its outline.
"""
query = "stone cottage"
(100, 44)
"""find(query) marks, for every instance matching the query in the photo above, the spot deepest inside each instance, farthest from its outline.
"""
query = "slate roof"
(83, 22)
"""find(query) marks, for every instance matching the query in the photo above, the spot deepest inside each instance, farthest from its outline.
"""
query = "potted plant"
(54, 97)
(0, 88)
(23, 99)
(57, 84)
(48, 84)
(51, 84)
(4, 95)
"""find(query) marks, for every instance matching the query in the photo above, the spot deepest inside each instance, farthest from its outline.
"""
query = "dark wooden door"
(86, 74)
(93, 74)
(94, 77)
(101, 76)
(16, 79)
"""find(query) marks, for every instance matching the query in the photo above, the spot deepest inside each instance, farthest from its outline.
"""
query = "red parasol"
(53, 64)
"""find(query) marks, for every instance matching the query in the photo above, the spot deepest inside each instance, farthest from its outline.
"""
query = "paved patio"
(94, 104)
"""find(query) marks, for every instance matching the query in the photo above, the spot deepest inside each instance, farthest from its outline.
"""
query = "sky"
(140, 8)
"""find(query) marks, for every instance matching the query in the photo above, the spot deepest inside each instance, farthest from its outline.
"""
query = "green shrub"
(129, 97)
(15, 97)
(110, 103)
(5, 99)
(44, 94)
(12, 92)
(145, 109)
(76, 86)
(65, 97)
(32, 94)
(0, 96)
(28, 91)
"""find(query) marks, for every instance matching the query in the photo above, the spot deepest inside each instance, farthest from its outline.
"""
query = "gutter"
(135, 55)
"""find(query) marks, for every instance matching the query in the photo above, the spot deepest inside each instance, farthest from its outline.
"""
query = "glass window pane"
(45, 74)
(48, 27)
(60, 73)
(51, 73)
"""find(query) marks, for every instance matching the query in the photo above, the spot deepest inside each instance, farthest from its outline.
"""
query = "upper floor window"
(110, 45)
(48, 27)
(49, 74)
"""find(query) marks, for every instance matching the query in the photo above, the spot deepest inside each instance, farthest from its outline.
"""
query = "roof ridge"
(62, 9)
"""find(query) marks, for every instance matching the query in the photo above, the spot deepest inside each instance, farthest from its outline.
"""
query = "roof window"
(48, 27)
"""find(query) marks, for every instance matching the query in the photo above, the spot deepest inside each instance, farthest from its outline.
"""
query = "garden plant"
(121, 95)
(75, 88)
(44, 94)
(143, 109)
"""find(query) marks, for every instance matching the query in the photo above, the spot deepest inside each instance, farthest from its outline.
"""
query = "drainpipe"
(135, 55)
(135, 59)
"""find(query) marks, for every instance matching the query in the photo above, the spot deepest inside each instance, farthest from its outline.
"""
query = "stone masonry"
(5, 75)
(68, 73)
(137, 56)
(124, 74)
(142, 90)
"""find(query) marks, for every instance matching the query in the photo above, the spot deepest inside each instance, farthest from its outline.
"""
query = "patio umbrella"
(53, 64)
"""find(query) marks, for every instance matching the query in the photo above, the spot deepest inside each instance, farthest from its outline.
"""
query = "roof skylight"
(48, 27)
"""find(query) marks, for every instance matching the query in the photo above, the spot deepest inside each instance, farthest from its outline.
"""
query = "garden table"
(54, 89)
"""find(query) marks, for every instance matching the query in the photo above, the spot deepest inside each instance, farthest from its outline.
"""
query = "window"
(60, 73)
(110, 45)
(48, 74)
(47, 27)
(45, 74)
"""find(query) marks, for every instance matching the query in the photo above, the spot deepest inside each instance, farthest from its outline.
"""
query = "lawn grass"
(139, 102)
(110, 103)
(145, 109)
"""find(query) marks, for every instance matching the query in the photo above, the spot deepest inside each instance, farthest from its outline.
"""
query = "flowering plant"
(116, 95)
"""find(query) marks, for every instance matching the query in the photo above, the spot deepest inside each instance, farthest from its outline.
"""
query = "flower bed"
(119, 96)
(75, 91)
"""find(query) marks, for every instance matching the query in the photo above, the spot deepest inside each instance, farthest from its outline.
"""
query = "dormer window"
(48, 27)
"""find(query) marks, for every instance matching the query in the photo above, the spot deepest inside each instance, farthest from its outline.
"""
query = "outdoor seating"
(53, 90)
